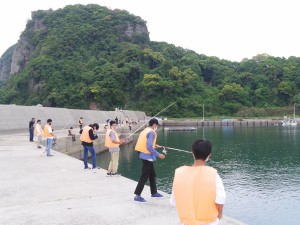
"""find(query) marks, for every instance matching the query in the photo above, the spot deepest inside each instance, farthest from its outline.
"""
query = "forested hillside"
(93, 57)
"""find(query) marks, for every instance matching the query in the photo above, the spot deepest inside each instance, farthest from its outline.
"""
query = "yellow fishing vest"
(195, 194)
(38, 128)
(85, 135)
(108, 142)
(141, 144)
(46, 131)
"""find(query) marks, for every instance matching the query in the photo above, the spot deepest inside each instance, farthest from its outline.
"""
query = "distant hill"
(93, 57)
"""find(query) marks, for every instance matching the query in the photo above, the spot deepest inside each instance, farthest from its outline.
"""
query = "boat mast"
(202, 112)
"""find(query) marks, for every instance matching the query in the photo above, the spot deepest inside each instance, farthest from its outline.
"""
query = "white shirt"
(38, 130)
(220, 197)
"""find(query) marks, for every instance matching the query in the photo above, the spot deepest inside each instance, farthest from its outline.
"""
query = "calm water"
(259, 166)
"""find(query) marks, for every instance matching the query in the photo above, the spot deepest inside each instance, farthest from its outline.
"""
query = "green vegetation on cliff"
(91, 56)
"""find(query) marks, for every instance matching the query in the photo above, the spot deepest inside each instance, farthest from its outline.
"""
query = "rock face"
(135, 30)
(4, 69)
(23, 50)
(21, 56)
(5, 63)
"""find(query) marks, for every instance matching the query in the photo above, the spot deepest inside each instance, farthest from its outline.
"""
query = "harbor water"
(259, 166)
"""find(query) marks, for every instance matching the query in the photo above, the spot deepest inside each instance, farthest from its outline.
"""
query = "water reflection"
(259, 167)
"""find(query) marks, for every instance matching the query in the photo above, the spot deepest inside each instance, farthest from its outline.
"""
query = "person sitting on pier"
(70, 133)
(198, 192)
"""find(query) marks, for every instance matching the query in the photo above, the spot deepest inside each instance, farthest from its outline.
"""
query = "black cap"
(153, 121)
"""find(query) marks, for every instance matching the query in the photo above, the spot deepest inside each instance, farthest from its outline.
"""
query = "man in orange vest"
(49, 135)
(87, 137)
(113, 142)
(198, 191)
(145, 145)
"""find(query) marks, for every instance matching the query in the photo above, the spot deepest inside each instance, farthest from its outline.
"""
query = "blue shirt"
(150, 157)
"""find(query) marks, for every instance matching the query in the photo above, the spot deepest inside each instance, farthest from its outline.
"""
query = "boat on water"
(290, 122)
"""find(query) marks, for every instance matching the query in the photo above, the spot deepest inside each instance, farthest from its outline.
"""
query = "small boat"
(289, 122)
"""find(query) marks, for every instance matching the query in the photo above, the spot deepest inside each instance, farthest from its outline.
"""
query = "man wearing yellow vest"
(198, 191)
(145, 145)
(113, 142)
(49, 135)
(38, 131)
(87, 137)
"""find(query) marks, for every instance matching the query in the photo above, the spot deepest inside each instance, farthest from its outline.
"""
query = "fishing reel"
(164, 150)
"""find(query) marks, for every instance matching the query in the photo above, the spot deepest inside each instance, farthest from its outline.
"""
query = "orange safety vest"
(141, 144)
(108, 142)
(38, 128)
(194, 190)
(85, 135)
(46, 131)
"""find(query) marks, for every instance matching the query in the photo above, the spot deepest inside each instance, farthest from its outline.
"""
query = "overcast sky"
(228, 29)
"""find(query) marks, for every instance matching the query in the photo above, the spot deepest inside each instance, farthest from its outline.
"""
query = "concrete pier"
(40, 190)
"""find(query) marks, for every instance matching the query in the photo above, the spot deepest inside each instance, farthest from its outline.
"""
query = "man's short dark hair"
(96, 126)
(49, 120)
(112, 122)
(201, 149)
(153, 121)
(38, 121)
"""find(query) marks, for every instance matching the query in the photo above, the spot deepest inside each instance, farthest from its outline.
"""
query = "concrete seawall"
(15, 117)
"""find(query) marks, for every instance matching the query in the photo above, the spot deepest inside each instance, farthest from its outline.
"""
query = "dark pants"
(86, 150)
(31, 134)
(147, 172)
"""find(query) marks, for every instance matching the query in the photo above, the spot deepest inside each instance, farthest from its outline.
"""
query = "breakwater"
(220, 123)
(16, 117)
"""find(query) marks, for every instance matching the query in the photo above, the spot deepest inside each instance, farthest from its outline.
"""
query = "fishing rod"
(149, 120)
(176, 149)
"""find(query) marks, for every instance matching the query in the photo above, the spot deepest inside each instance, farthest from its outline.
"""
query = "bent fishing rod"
(149, 120)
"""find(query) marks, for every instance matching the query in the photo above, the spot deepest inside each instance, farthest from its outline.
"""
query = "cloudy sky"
(228, 29)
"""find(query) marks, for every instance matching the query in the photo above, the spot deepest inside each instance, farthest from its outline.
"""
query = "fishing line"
(149, 120)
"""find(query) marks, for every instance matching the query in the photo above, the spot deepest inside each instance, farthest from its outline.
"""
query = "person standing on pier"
(80, 123)
(145, 145)
(31, 129)
(198, 192)
(38, 131)
(87, 137)
(49, 135)
(113, 142)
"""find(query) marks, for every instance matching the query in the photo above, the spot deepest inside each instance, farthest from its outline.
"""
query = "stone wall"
(15, 117)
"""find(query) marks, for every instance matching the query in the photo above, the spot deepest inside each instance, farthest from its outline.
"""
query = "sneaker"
(49, 155)
(39, 146)
(116, 174)
(96, 168)
(139, 199)
(157, 195)
(108, 174)
(87, 168)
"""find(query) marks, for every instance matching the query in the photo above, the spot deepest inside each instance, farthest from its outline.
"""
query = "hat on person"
(153, 121)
